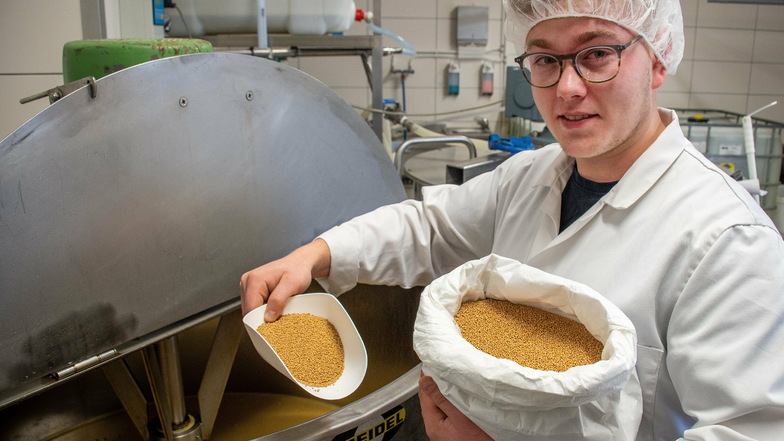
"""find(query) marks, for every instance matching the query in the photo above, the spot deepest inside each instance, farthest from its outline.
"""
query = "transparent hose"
(407, 48)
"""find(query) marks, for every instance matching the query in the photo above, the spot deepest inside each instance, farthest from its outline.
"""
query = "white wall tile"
(681, 81)
(717, 77)
(420, 32)
(689, 11)
(467, 99)
(723, 44)
(421, 104)
(770, 17)
(767, 79)
(688, 48)
(34, 32)
(15, 87)
(407, 9)
(445, 35)
(769, 46)
(336, 71)
(672, 99)
(726, 15)
(495, 39)
(775, 113)
(718, 101)
(356, 96)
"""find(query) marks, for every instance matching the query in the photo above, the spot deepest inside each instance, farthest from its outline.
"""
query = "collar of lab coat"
(650, 166)
(640, 177)
(645, 171)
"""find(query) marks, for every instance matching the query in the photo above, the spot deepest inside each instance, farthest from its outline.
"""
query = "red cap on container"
(360, 15)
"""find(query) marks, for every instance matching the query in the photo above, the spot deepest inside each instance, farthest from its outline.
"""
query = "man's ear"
(658, 74)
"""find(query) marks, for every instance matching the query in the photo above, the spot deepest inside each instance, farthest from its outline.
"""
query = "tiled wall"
(733, 61)
(430, 26)
(734, 58)
(32, 33)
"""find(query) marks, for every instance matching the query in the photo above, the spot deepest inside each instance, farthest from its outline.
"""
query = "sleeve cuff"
(344, 261)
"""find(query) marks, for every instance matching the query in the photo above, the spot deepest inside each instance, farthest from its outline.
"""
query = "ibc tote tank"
(311, 17)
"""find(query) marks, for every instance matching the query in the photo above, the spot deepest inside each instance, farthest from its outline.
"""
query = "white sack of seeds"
(600, 401)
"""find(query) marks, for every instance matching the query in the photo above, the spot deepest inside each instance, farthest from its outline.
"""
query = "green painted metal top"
(98, 58)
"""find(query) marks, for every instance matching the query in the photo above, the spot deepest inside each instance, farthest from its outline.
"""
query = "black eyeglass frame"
(618, 48)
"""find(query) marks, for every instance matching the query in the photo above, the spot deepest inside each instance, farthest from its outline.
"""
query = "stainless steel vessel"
(126, 220)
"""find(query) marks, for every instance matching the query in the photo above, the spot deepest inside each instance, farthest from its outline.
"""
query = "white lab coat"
(678, 245)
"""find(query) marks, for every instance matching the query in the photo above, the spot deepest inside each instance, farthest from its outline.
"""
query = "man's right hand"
(276, 281)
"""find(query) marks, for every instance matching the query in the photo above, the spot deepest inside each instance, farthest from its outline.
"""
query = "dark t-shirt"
(579, 195)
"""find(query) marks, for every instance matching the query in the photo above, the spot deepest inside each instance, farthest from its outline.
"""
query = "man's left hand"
(443, 421)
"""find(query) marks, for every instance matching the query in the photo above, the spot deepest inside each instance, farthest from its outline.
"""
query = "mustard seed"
(308, 345)
(526, 335)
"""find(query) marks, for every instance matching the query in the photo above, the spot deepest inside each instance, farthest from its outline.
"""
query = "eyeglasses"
(595, 64)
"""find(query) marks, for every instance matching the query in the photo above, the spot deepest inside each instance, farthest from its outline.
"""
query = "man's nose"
(571, 83)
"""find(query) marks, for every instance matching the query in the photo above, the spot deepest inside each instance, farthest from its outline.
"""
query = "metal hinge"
(84, 364)
(58, 92)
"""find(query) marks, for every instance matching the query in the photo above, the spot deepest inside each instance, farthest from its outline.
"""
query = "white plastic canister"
(315, 17)
(310, 17)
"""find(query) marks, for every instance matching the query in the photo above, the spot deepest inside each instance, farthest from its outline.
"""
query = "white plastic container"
(307, 17)
(721, 137)
(326, 306)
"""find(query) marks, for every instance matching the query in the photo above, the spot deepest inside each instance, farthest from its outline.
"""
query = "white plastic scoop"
(326, 306)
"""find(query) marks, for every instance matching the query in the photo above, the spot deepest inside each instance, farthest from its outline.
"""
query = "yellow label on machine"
(388, 427)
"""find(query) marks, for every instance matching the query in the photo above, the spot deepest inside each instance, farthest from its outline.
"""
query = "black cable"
(183, 21)
(171, 4)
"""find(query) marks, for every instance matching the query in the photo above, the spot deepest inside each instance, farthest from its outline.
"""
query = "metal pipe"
(399, 153)
(378, 75)
(171, 371)
(304, 52)
(366, 66)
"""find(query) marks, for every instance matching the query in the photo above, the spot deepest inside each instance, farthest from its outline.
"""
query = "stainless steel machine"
(128, 211)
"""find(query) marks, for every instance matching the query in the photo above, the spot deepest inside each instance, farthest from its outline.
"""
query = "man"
(623, 203)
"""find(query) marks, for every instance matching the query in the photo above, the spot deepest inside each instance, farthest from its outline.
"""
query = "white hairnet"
(659, 21)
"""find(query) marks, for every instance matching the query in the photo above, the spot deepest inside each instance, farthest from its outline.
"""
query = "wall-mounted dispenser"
(452, 78)
(472, 31)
